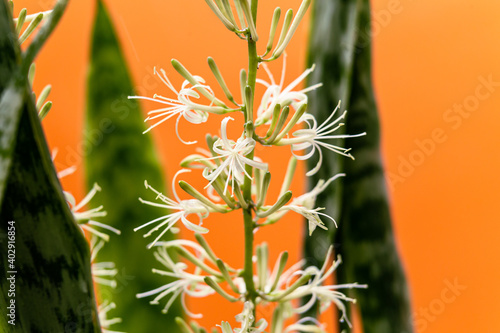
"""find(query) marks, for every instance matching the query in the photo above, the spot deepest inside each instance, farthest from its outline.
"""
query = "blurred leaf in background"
(120, 158)
(333, 26)
(365, 237)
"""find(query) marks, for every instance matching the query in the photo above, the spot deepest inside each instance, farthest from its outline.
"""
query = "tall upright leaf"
(119, 159)
(53, 284)
(365, 238)
(45, 277)
(11, 108)
(333, 32)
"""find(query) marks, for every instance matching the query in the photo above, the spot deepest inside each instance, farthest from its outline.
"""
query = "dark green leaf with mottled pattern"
(119, 158)
(333, 33)
(45, 260)
(365, 237)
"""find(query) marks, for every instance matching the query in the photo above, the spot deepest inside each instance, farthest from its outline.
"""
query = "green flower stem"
(253, 62)
(248, 267)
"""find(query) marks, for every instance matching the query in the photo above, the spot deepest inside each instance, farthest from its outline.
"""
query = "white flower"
(225, 327)
(314, 326)
(185, 283)
(312, 216)
(309, 199)
(246, 319)
(304, 204)
(317, 291)
(178, 210)
(234, 157)
(276, 94)
(65, 172)
(85, 218)
(183, 106)
(105, 323)
(86, 215)
(312, 138)
(271, 284)
(102, 272)
(285, 311)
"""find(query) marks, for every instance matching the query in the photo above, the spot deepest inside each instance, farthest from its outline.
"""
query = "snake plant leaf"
(340, 47)
(45, 278)
(13, 66)
(10, 58)
(120, 158)
(52, 280)
(366, 235)
(333, 32)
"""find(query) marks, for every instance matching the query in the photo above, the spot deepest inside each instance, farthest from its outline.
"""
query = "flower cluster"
(211, 275)
(104, 321)
(193, 284)
(236, 179)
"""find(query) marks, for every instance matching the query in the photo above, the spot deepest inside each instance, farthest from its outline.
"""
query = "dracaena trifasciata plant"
(239, 180)
(27, 24)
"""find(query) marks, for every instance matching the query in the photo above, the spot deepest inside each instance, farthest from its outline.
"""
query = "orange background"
(429, 56)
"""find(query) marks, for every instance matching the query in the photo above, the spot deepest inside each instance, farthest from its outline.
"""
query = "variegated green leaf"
(120, 158)
(365, 237)
(45, 278)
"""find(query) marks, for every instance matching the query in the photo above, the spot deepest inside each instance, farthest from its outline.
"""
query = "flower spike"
(199, 272)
